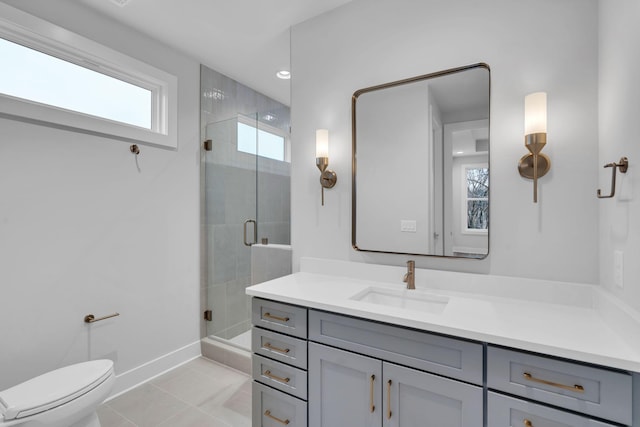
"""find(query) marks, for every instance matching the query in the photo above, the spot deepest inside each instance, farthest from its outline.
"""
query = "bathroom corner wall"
(619, 136)
(368, 42)
(82, 231)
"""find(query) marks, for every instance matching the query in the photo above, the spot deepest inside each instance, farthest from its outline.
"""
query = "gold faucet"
(410, 277)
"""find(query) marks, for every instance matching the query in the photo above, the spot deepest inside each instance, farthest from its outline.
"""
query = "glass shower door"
(230, 225)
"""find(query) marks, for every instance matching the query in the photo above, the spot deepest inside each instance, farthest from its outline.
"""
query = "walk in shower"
(247, 183)
(246, 201)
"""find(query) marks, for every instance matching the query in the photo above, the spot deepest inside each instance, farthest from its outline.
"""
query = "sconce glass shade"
(536, 164)
(322, 143)
(328, 178)
(535, 113)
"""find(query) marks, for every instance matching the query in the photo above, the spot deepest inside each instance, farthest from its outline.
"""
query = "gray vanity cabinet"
(363, 373)
(507, 411)
(415, 398)
(350, 389)
(533, 381)
(279, 365)
(320, 369)
(344, 388)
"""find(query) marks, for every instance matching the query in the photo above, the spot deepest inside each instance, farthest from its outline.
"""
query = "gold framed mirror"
(420, 165)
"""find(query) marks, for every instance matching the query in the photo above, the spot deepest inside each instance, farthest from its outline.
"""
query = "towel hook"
(136, 151)
(90, 318)
(623, 165)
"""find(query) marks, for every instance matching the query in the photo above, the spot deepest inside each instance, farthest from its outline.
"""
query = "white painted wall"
(531, 45)
(81, 231)
(619, 136)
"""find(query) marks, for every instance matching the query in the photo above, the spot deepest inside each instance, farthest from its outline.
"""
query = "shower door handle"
(255, 232)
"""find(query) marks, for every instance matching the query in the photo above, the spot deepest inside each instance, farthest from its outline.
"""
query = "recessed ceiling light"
(283, 74)
(214, 93)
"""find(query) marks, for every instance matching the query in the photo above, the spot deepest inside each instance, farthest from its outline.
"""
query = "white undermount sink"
(409, 299)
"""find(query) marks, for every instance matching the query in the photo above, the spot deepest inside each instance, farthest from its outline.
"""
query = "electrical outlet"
(618, 269)
(408, 226)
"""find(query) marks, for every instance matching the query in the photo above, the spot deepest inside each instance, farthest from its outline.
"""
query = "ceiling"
(247, 40)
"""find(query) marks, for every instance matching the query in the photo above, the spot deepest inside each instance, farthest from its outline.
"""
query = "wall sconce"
(328, 177)
(535, 164)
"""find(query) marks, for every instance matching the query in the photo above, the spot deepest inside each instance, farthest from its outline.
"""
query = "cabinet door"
(344, 388)
(415, 398)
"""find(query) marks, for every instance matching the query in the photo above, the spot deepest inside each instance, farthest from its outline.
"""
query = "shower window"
(58, 78)
(270, 143)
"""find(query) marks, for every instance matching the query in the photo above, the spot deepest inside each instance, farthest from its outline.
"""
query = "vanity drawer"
(504, 411)
(284, 318)
(278, 375)
(449, 357)
(591, 390)
(280, 347)
(272, 408)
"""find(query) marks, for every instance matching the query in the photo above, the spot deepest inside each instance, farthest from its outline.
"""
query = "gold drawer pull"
(267, 413)
(576, 388)
(275, 377)
(528, 423)
(271, 316)
(268, 346)
(373, 380)
(389, 400)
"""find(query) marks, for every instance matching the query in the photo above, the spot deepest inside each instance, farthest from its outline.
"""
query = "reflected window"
(476, 199)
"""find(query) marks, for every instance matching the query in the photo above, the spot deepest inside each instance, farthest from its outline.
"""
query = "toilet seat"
(53, 389)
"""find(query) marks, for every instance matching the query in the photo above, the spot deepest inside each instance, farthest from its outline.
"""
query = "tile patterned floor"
(201, 393)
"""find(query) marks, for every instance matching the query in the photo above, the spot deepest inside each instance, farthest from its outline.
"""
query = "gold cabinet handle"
(268, 346)
(373, 380)
(576, 388)
(389, 399)
(267, 413)
(528, 423)
(271, 316)
(275, 377)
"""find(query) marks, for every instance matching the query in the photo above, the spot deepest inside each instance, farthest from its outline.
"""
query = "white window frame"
(35, 33)
(465, 199)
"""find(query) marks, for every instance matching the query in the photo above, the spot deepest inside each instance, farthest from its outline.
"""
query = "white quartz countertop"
(574, 331)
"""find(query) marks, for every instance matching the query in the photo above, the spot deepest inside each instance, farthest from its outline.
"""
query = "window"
(269, 144)
(70, 86)
(475, 199)
(49, 77)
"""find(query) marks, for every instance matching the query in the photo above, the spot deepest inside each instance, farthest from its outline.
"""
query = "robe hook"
(623, 165)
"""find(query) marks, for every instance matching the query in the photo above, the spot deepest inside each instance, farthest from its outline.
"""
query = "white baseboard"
(156, 367)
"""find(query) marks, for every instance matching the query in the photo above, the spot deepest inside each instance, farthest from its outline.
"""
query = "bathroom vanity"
(350, 350)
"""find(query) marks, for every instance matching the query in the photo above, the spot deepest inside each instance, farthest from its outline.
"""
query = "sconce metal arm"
(623, 165)
(328, 178)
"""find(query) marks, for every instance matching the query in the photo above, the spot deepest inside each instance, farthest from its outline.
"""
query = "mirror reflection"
(421, 165)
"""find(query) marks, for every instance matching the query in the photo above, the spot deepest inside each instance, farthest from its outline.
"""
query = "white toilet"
(66, 397)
